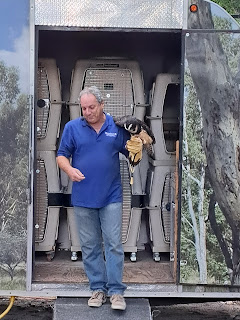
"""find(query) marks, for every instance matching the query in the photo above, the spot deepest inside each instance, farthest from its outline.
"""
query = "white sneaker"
(97, 299)
(118, 302)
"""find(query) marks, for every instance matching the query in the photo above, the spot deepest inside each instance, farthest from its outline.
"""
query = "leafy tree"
(231, 6)
(13, 152)
(14, 170)
(13, 252)
(8, 83)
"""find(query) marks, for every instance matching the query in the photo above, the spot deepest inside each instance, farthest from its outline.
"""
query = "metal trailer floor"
(77, 309)
(62, 270)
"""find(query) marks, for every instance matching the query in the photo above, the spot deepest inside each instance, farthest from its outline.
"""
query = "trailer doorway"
(158, 55)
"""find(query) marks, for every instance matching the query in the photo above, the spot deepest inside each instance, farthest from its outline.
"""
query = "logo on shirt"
(111, 134)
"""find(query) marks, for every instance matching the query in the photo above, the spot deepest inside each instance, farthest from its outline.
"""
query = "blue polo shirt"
(97, 157)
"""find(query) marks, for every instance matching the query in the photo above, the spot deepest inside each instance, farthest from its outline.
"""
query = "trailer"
(175, 65)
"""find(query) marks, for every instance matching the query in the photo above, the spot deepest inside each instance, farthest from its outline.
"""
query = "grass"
(15, 284)
(18, 282)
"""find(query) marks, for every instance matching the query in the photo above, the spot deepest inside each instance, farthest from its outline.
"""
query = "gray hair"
(94, 91)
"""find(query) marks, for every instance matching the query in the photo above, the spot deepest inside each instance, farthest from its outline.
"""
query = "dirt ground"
(28, 309)
(42, 309)
(228, 310)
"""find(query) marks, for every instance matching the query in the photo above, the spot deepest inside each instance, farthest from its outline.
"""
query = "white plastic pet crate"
(121, 84)
(48, 116)
(46, 218)
(164, 122)
(49, 113)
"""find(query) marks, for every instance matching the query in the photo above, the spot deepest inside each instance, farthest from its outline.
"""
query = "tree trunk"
(218, 233)
(219, 99)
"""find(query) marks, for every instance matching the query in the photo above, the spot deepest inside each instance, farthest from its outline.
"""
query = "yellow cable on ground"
(8, 308)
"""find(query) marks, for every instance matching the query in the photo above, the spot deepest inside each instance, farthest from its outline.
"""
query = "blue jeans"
(102, 229)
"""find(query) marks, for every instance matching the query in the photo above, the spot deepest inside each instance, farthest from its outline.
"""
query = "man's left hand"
(134, 146)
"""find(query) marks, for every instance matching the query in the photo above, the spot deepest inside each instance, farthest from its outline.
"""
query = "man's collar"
(85, 123)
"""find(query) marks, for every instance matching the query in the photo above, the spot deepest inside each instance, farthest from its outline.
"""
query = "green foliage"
(189, 274)
(8, 83)
(231, 6)
(14, 171)
(13, 153)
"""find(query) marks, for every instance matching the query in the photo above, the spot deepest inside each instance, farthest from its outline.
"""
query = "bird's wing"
(147, 142)
(149, 148)
(148, 130)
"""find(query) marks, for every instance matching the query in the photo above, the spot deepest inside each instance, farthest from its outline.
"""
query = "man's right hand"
(75, 174)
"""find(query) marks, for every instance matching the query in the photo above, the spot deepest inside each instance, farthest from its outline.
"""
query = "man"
(94, 142)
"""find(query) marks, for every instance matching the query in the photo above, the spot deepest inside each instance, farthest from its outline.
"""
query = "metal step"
(77, 309)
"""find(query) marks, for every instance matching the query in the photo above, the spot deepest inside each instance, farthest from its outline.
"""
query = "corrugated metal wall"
(113, 14)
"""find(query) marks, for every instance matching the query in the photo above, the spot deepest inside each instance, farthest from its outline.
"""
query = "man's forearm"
(73, 173)
(64, 164)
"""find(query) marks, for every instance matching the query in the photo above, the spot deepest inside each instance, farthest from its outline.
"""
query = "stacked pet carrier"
(164, 122)
(121, 84)
(48, 115)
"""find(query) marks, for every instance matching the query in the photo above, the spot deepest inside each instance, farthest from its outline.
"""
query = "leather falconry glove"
(134, 147)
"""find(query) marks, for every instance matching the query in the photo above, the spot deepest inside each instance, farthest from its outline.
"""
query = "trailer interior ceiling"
(156, 52)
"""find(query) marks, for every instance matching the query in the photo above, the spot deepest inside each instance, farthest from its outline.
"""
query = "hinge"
(172, 256)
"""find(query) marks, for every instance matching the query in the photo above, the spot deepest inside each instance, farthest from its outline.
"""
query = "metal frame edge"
(31, 145)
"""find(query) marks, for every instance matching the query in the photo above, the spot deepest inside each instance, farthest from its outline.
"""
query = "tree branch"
(217, 231)
(188, 240)
(191, 176)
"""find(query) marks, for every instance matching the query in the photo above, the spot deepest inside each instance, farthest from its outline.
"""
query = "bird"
(137, 128)
(140, 133)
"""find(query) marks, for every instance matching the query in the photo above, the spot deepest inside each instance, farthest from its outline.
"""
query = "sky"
(14, 38)
(14, 16)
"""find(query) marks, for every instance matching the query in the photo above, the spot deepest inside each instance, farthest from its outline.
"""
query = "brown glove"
(134, 146)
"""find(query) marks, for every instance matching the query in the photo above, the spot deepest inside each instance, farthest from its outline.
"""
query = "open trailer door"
(140, 82)
(14, 142)
(211, 154)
